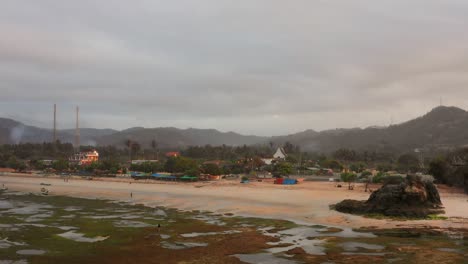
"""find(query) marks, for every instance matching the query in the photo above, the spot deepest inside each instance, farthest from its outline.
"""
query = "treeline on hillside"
(342, 158)
(225, 152)
(451, 169)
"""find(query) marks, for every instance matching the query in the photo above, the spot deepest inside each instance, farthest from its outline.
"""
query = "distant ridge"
(441, 128)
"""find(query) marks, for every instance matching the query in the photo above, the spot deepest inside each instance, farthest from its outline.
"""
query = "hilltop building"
(85, 158)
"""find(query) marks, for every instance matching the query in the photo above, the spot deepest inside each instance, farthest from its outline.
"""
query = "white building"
(279, 154)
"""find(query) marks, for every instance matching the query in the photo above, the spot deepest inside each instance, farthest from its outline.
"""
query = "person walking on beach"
(159, 228)
(131, 194)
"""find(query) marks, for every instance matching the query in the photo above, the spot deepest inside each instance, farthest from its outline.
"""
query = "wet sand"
(307, 202)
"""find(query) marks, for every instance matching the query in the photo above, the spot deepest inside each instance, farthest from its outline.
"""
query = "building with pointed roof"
(279, 154)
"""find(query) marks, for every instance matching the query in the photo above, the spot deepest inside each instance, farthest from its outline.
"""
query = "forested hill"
(443, 127)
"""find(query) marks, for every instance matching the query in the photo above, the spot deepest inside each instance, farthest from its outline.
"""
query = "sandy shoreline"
(307, 202)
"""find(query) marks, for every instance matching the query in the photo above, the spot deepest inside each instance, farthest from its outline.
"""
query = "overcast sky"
(265, 67)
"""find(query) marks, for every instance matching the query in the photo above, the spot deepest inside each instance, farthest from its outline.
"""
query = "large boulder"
(411, 197)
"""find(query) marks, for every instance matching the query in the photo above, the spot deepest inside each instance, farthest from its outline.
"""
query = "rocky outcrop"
(411, 197)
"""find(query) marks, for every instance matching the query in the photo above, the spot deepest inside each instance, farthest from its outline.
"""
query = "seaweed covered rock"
(410, 197)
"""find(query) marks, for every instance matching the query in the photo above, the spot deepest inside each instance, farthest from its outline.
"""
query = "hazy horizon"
(256, 67)
(227, 131)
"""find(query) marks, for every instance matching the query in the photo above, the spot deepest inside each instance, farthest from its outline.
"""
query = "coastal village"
(274, 168)
(234, 132)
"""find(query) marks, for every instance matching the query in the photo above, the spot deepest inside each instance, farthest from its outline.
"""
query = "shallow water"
(308, 238)
(5, 204)
(159, 212)
(210, 233)
(27, 208)
(129, 223)
(182, 245)
(263, 258)
(21, 261)
(78, 237)
(33, 219)
(210, 220)
(355, 246)
(31, 252)
(72, 209)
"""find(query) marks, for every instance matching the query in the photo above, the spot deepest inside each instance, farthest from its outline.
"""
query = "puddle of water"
(66, 228)
(72, 208)
(130, 217)
(128, 223)
(30, 252)
(307, 238)
(35, 225)
(209, 220)
(451, 250)
(297, 237)
(159, 212)
(15, 193)
(28, 208)
(363, 254)
(5, 204)
(355, 246)
(103, 216)
(124, 211)
(38, 217)
(7, 261)
(69, 216)
(391, 260)
(455, 235)
(5, 243)
(164, 236)
(182, 245)
(78, 237)
(211, 233)
(263, 258)
(350, 233)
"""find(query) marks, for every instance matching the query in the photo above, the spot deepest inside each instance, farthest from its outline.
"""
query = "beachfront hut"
(188, 178)
(163, 177)
(285, 181)
(138, 175)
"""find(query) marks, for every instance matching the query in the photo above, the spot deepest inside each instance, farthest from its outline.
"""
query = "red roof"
(172, 154)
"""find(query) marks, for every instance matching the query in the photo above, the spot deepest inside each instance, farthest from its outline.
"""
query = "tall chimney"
(55, 123)
(77, 131)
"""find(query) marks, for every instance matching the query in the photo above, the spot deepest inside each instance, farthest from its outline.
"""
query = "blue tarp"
(137, 174)
(163, 176)
(289, 181)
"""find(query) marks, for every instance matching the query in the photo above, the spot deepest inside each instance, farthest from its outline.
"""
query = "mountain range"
(442, 128)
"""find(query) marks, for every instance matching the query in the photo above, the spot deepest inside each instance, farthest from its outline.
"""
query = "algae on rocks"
(412, 197)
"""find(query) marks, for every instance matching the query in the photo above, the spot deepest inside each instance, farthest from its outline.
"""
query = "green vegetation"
(402, 218)
(243, 235)
(349, 178)
(282, 169)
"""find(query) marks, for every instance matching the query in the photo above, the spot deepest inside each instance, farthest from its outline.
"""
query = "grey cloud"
(262, 67)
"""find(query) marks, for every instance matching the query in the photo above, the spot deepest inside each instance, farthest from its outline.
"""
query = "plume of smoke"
(16, 134)
(91, 143)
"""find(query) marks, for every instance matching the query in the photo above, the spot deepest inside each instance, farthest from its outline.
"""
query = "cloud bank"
(265, 67)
